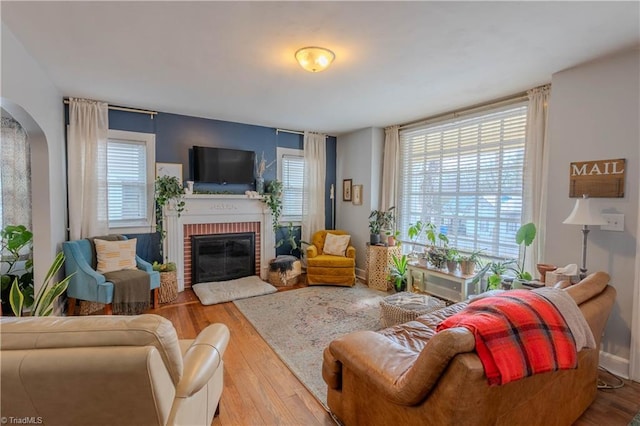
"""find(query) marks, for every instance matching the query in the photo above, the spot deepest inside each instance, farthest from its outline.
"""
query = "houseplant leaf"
(526, 234)
(16, 299)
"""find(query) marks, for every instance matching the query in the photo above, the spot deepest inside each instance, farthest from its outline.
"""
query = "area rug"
(300, 324)
(636, 420)
(226, 291)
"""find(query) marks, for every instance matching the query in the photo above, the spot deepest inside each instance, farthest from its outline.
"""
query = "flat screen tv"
(222, 165)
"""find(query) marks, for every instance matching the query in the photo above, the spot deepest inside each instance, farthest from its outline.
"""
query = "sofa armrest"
(400, 374)
(202, 359)
(312, 251)
(351, 252)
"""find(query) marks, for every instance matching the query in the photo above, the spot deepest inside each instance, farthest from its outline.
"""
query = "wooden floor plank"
(259, 389)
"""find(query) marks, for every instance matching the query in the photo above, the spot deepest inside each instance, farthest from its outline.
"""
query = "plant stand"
(168, 287)
(379, 262)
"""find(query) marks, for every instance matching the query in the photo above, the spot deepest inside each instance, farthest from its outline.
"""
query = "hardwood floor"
(260, 390)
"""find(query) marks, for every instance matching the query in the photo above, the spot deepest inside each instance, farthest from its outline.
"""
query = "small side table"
(406, 306)
(379, 262)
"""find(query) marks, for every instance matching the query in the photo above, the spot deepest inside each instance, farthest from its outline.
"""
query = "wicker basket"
(406, 306)
(168, 287)
(287, 278)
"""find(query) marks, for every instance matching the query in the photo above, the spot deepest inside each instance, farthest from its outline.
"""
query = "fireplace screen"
(222, 257)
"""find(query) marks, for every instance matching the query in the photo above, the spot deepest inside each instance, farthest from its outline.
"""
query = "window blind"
(127, 182)
(292, 187)
(465, 176)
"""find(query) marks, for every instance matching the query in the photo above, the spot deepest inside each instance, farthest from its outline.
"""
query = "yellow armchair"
(330, 269)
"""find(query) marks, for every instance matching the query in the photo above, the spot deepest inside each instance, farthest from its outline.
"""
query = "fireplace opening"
(222, 257)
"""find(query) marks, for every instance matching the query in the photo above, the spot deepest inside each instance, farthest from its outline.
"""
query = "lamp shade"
(314, 59)
(584, 214)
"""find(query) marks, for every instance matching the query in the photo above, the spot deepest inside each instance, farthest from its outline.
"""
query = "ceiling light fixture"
(314, 59)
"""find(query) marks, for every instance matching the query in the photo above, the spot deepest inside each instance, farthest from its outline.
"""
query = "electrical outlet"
(615, 222)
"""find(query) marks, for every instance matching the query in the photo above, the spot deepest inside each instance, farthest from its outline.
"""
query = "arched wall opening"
(43, 245)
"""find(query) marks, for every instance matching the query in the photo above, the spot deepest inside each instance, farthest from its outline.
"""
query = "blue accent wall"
(177, 134)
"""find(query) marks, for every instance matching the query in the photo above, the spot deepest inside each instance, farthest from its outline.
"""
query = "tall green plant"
(525, 235)
(47, 295)
(16, 239)
(398, 271)
(273, 199)
(167, 188)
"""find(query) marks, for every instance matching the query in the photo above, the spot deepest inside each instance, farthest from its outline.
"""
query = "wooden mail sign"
(603, 178)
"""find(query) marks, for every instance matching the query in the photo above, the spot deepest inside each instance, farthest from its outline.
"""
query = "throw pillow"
(115, 255)
(336, 244)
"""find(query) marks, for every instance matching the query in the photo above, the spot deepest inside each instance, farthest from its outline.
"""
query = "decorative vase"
(260, 185)
(374, 239)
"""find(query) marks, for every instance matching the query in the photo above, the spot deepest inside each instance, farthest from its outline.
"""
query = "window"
(15, 175)
(291, 174)
(465, 176)
(130, 180)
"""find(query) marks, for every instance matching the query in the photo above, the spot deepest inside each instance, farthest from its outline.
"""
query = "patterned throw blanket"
(518, 333)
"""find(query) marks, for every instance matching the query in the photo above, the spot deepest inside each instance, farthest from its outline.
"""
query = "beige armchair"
(106, 370)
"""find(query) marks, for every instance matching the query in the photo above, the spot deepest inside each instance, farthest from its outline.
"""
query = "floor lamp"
(584, 215)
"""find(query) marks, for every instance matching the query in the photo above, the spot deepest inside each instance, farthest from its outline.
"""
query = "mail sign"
(603, 178)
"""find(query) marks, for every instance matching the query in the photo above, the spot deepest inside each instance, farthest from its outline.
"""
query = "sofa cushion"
(115, 255)
(336, 244)
(328, 261)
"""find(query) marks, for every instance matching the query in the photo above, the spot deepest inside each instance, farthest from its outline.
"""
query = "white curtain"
(87, 170)
(535, 172)
(15, 175)
(390, 167)
(315, 160)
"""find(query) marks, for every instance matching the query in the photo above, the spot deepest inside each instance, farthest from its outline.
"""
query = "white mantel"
(217, 208)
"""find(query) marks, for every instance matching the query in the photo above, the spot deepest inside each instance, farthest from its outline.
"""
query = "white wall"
(359, 157)
(593, 115)
(31, 98)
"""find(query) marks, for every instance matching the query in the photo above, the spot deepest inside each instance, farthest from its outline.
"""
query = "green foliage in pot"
(525, 235)
(47, 295)
(16, 248)
(380, 220)
(273, 199)
(167, 189)
(398, 271)
(164, 267)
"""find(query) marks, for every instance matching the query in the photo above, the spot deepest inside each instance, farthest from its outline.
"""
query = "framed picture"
(356, 191)
(346, 189)
(169, 169)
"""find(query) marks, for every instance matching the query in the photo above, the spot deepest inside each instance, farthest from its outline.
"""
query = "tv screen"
(222, 165)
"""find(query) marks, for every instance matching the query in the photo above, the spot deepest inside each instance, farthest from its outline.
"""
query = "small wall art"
(357, 194)
(346, 189)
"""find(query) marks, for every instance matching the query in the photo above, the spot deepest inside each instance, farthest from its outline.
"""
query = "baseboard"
(615, 364)
(361, 275)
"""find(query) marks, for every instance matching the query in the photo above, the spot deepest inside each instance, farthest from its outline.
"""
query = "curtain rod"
(469, 110)
(295, 132)
(126, 109)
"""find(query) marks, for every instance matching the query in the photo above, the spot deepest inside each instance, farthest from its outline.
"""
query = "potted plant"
(451, 255)
(398, 272)
(525, 236)
(47, 295)
(273, 200)
(17, 263)
(380, 222)
(261, 167)
(415, 231)
(437, 252)
(168, 291)
(167, 189)
(392, 238)
(468, 262)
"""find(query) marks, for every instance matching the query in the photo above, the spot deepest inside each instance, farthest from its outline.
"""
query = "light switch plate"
(615, 222)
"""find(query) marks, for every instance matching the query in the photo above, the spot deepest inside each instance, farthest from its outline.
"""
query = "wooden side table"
(379, 262)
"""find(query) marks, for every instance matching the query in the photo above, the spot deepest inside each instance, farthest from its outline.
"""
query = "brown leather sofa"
(109, 370)
(410, 375)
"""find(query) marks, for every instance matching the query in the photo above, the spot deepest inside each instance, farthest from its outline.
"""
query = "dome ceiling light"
(314, 59)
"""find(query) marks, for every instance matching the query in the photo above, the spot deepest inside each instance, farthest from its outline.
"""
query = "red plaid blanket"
(518, 333)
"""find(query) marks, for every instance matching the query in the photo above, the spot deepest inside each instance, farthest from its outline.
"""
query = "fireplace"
(221, 257)
(207, 214)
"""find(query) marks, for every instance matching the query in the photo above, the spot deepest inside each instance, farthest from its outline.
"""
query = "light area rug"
(226, 291)
(636, 420)
(300, 324)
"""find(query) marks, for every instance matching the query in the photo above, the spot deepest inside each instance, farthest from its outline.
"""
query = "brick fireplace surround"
(217, 214)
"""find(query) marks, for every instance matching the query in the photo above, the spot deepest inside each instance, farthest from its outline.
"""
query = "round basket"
(287, 278)
(168, 287)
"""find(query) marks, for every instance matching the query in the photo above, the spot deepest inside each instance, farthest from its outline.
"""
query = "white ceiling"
(234, 61)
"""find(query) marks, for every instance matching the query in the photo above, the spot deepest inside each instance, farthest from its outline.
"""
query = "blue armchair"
(87, 284)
